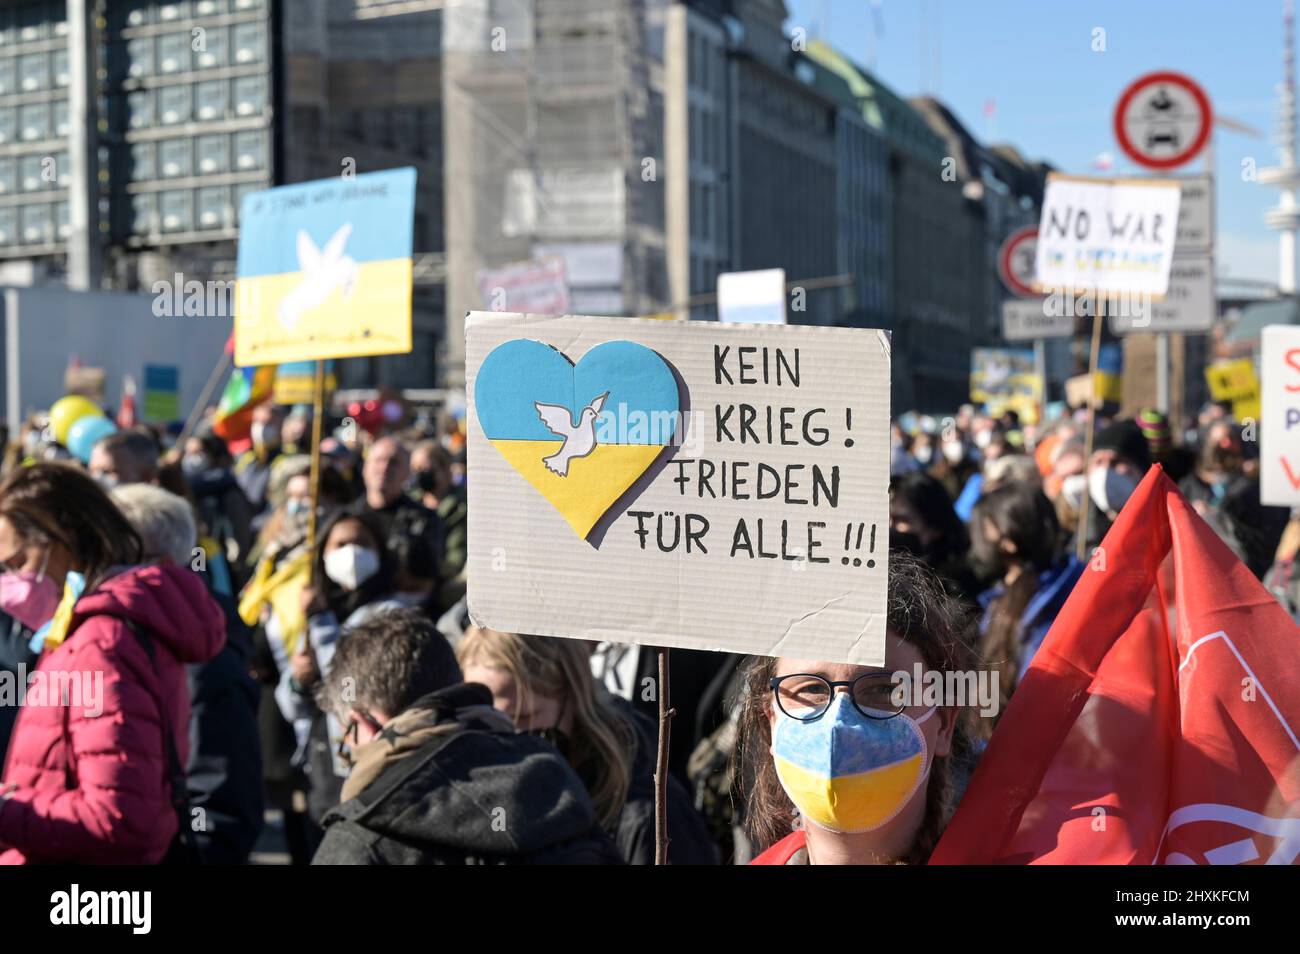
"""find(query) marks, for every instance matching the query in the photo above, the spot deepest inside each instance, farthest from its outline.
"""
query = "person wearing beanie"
(1155, 428)
(1120, 459)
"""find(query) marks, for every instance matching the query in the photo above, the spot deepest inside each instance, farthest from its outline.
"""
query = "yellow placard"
(375, 318)
(1232, 380)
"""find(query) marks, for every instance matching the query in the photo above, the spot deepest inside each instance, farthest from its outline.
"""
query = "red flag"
(1157, 723)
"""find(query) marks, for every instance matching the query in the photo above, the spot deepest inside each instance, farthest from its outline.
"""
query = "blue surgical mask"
(846, 772)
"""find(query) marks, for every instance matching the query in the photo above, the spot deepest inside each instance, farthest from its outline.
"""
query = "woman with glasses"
(851, 764)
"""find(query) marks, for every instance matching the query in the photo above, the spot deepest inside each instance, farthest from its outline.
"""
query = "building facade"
(552, 153)
(131, 130)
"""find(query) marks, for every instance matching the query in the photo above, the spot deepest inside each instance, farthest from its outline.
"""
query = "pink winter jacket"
(89, 764)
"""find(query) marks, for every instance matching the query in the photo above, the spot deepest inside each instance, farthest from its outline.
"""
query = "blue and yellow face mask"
(847, 773)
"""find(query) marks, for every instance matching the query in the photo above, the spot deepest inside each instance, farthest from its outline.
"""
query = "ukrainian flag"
(637, 419)
(324, 269)
(862, 786)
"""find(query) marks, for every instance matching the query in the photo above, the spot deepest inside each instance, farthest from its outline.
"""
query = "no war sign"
(1279, 429)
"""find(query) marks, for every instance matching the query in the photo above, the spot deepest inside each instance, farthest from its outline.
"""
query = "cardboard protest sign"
(162, 392)
(1237, 382)
(1279, 426)
(295, 383)
(689, 484)
(324, 269)
(1113, 235)
(1003, 379)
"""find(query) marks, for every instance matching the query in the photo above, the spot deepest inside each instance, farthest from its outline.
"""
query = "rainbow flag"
(247, 388)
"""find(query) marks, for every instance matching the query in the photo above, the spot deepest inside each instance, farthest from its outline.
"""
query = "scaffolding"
(547, 122)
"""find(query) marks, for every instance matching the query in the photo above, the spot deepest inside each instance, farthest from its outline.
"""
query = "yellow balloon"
(66, 411)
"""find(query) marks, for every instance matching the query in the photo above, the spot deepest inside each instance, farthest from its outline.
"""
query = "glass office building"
(184, 120)
(33, 127)
(186, 106)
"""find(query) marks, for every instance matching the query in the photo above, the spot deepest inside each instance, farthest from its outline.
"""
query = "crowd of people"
(339, 687)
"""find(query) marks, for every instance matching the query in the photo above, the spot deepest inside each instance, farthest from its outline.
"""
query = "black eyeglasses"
(806, 697)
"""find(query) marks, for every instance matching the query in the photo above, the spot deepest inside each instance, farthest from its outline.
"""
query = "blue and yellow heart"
(631, 388)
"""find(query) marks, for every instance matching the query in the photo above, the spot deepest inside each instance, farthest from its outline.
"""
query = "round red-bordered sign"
(1162, 132)
(1011, 254)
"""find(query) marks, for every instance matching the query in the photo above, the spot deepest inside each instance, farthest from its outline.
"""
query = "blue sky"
(1055, 96)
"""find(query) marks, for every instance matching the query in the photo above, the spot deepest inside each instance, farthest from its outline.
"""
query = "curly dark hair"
(920, 612)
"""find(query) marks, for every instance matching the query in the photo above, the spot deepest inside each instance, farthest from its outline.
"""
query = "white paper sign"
(1115, 236)
(691, 484)
(1279, 425)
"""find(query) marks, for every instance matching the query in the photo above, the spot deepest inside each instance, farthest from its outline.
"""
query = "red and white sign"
(1279, 426)
(1016, 261)
(1163, 120)
(538, 287)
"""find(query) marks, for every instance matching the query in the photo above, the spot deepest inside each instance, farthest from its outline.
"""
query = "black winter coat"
(473, 796)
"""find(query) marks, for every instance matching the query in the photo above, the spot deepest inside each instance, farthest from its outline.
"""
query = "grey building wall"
(936, 247)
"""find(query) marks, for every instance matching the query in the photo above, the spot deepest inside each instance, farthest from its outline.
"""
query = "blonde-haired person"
(545, 685)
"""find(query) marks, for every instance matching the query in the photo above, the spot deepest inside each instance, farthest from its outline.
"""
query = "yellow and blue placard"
(324, 269)
(580, 434)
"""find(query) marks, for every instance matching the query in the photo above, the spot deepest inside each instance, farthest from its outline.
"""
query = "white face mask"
(923, 453)
(351, 566)
(1110, 489)
(954, 451)
(1074, 488)
(983, 439)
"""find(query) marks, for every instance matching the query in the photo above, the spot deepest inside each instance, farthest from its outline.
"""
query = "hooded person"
(93, 773)
(1120, 459)
(438, 776)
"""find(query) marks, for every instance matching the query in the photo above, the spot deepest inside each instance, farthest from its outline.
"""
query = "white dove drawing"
(578, 441)
(322, 272)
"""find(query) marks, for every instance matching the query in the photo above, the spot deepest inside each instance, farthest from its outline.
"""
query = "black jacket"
(472, 796)
(634, 834)
(225, 768)
(17, 659)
